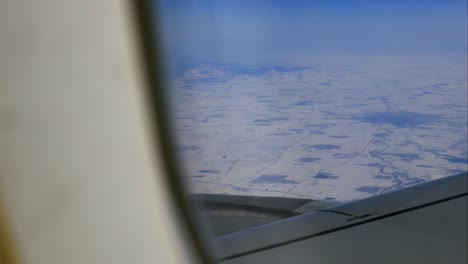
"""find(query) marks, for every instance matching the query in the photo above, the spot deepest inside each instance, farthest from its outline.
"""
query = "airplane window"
(283, 107)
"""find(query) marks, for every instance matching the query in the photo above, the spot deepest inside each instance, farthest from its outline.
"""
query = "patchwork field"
(315, 128)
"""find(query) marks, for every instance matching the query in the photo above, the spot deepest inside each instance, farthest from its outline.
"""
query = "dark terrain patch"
(424, 166)
(338, 136)
(209, 171)
(273, 178)
(279, 118)
(456, 159)
(382, 177)
(407, 157)
(262, 124)
(325, 175)
(308, 160)
(374, 164)
(399, 119)
(303, 103)
(323, 146)
(280, 134)
(316, 132)
(262, 121)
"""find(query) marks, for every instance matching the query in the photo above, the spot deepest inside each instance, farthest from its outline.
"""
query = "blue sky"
(251, 28)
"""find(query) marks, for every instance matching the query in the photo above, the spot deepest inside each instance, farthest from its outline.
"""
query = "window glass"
(286, 102)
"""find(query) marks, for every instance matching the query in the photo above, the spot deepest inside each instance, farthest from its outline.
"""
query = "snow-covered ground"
(338, 130)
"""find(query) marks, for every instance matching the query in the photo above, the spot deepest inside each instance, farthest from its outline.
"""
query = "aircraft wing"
(426, 223)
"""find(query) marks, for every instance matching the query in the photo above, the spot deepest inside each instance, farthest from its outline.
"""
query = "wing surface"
(426, 223)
